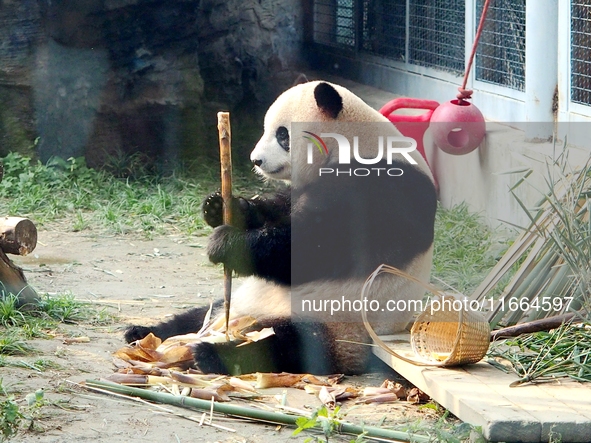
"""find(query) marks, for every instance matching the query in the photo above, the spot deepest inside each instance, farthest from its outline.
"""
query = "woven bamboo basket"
(439, 337)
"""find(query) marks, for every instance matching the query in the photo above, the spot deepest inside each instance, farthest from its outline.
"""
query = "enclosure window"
(334, 22)
(384, 28)
(501, 51)
(436, 34)
(580, 50)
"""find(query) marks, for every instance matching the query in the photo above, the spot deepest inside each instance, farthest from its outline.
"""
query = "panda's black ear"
(328, 99)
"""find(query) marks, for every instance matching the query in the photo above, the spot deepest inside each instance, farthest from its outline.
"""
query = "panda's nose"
(257, 162)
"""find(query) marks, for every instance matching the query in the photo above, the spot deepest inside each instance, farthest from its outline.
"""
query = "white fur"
(259, 298)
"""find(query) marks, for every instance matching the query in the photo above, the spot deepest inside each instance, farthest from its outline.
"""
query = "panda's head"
(308, 102)
(279, 151)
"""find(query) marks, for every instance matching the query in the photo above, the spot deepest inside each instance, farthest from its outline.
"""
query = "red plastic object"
(457, 127)
(413, 126)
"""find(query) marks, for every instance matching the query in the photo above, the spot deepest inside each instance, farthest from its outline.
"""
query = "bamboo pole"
(543, 324)
(251, 413)
(225, 137)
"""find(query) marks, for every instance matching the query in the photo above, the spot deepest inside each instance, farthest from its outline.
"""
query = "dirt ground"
(138, 281)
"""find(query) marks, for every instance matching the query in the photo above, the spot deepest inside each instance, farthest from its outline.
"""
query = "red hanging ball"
(457, 127)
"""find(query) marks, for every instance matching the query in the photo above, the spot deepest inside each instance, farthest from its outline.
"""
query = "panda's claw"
(213, 210)
(136, 332)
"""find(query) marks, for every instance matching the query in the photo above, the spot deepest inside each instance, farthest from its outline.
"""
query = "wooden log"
(13, 281)
(543, 324)
(17, 235)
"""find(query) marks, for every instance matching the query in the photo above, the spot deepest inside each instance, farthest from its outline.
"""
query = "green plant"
(326, 420)
(552, 253)
(10, 415)
(65, 308)
(545, 356)
(39, 365)
(9, 312)
(446, 429)
(12, 344)
(465, 249)
(82, 198)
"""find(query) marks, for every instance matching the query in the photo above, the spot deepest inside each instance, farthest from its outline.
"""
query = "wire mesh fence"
(580, 52)
(501, 51)
(334, 22)
(436, 34)
(384, 28)
(431, 33)
(433, 29)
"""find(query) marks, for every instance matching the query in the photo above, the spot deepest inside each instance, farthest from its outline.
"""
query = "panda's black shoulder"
(345, 225)
(276, 209)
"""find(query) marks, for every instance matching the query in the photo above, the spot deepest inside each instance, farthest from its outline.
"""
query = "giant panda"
(346, 227)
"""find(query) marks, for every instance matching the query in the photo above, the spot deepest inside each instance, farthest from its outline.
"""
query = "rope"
(466, 94)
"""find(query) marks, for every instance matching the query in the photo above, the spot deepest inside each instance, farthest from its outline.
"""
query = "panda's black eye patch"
(282, 136)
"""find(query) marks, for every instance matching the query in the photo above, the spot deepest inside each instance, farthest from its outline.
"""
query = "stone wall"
(109, 78)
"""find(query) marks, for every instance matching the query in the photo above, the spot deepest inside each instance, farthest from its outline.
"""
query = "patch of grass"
(65, 308)
(11, 343)
(79, 198)
(9, 312)
(39, 365)
(465, 248)
(16, 327)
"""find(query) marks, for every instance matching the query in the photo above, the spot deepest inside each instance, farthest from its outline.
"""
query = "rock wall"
(109, 78)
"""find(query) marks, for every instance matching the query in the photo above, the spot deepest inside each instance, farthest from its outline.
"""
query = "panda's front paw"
(228, 245)
(213, 210)
(135, 332)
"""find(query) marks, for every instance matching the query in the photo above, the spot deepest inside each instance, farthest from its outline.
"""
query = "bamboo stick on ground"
(225, 138)
(251, 413)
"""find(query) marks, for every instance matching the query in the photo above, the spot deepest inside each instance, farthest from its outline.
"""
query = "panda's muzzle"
(258, 163)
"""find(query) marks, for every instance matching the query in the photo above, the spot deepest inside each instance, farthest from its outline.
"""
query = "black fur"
(350, 225)
(185, 323)
(261, 246)
(282, 136)
(246, 214)
(329, 244)
(328, 99)
(295, 347)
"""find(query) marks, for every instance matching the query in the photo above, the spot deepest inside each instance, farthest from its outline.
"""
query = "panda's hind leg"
(296, 347)
(184, 323)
